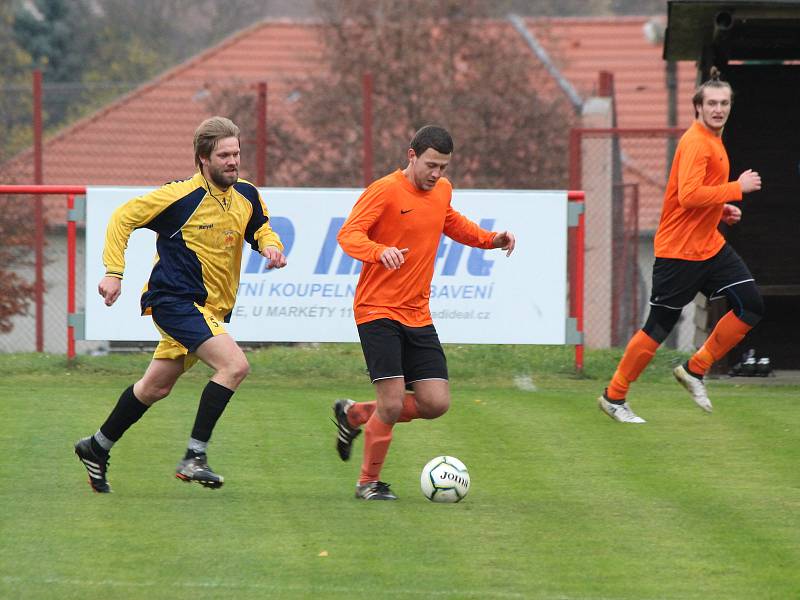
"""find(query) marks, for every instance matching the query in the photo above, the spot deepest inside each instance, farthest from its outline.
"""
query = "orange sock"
(638, 354)
(377, 437)
(728, 332)
(360, 412)
(410, 411)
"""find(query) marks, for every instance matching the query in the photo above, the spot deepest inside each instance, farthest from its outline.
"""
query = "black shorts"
(676, 282)
(392, 349)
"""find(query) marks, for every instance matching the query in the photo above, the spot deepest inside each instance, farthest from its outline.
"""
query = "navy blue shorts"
(184, 325)
(392, 349)
(676, 282)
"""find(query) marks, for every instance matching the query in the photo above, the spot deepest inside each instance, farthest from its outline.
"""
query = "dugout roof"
(733, 30)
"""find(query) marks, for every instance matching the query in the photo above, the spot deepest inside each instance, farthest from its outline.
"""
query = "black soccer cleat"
(374, 490)
(196, 469)
(345, 433)
(96, 465)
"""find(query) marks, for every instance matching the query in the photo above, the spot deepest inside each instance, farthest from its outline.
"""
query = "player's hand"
(110, 288)
(750, 181)
(275, 258)
(392, 258)
(731, 214)
(505, 240)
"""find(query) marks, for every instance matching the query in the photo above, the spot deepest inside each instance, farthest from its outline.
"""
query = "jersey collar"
(223, 198)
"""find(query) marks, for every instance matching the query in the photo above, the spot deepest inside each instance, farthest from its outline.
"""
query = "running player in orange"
(692, 256)
(394, 229)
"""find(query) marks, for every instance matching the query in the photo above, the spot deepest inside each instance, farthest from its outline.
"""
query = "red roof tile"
(582, 47)
(145, 137)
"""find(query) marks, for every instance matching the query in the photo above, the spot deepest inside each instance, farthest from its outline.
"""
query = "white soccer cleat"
(695, 386)
(619, 412)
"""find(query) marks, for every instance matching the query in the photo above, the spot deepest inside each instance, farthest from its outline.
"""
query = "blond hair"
(208, 133)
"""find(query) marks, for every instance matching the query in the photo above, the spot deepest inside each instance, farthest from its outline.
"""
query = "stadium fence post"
(367, 127)
(579, 278)
(261, 135)
(576, 275)
(71, 255)
(38, 179)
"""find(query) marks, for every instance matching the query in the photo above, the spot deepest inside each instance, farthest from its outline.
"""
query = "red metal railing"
(71, 191)
(576, 273)
(635, 164)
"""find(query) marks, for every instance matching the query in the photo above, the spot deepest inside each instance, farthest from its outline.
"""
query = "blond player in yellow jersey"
(692, 256)
(201, 224)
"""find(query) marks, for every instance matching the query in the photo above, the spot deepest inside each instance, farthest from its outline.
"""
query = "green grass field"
(564, 504)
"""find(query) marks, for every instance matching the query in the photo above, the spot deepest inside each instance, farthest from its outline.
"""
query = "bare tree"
(580, 8)
(446, 62)
(16, 233)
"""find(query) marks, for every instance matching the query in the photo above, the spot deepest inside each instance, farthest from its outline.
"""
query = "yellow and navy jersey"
(200, 234)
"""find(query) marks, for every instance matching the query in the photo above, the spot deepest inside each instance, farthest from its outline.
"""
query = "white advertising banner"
(477, 296)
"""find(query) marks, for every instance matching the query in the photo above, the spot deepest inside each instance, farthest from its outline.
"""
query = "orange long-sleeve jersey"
(697, 189)
(393, 212)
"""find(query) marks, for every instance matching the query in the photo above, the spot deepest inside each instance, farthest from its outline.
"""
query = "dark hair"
(209, 132)
(712, 82)
(434, 137)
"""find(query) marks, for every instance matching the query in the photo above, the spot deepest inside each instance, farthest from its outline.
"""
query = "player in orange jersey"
(394, 229)
(692, 256)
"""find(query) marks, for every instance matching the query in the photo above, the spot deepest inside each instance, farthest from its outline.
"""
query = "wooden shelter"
(756, 46)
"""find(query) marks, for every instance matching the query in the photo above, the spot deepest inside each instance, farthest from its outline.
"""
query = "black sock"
(127, 411)
(617, 402)
(213, 401)
(690, 372)
(97, 448)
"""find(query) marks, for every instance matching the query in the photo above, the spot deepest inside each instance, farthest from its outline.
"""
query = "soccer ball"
(444, 479)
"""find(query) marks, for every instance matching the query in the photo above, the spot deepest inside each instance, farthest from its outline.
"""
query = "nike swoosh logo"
(402, 212)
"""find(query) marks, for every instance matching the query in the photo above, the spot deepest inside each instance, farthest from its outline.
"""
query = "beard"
(223, 179)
